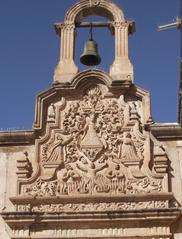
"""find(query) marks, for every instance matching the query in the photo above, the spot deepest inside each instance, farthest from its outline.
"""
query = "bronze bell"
(90, 56)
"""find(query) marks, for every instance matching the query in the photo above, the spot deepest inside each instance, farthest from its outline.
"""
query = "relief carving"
(54, 152)
(89, 207)
(95, 2)
(51, 114)
(96, 150)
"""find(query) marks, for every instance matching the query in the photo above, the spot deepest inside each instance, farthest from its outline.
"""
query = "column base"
(122, 70)
(65, 71)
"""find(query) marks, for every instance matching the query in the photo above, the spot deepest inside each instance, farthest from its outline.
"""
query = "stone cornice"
(165, 131)
(8, 138)
(145, 217)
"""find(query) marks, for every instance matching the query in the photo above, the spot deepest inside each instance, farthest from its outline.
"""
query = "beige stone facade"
(95, 164)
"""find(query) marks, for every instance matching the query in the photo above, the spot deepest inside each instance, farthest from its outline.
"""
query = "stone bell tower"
(95, 164)
(121, 69)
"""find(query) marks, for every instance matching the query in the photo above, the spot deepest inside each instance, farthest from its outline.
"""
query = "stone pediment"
(95, 144)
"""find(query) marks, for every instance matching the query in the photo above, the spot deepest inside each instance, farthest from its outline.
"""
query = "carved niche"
(96, 144)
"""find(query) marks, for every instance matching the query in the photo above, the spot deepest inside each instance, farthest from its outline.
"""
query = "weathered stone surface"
(97, 145)
(95, 165)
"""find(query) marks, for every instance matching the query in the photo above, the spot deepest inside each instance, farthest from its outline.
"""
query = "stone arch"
(121, 69)
(93, 75)
(85, 8)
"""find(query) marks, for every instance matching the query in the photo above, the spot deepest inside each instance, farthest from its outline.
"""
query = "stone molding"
(21, 137)
(57, 225)
(93, 204)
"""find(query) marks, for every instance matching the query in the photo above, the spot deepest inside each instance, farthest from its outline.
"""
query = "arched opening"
(121, 68)
(104, 39)
(87, 8)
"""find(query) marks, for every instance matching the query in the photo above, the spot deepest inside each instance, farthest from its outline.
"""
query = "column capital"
(63, 25)
(130, 25)
(120, 24)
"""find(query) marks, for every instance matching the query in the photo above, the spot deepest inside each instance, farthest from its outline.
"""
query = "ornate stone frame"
(81, 81)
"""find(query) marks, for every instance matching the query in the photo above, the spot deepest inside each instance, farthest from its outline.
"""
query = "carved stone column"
(121, 69)
(176, 182)
(66, 68)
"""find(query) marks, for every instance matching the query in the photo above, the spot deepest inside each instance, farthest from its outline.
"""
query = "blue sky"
(29, 52)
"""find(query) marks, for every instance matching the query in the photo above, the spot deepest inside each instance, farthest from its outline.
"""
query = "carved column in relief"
(121, 69)
(178, 171)
(66, 69)
(24, 167)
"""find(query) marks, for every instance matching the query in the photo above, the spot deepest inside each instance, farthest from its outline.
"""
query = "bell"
(90, 56)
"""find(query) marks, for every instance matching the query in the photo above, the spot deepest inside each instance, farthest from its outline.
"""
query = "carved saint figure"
(57, 150)
(129, 153)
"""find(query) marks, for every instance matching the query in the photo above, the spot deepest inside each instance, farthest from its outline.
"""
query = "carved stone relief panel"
(90, 207)
(95, 145)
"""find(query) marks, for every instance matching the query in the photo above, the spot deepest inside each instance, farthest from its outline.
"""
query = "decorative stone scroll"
(91, 207)
(91, 186)
(96, 145)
